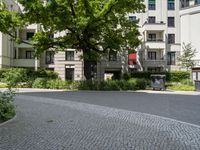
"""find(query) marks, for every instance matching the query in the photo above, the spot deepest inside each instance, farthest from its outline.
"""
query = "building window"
(29, 35)
(170, 4)
(171, 22)
(184, 3)
(152, 4)
(152, 37)
(132, 18)
(49, 57)
(29, 54)
(69, 74)
(69, 55)
(112, 56)
(151, 19)
(151, 55)
(171, 38)
(197, 2)
(171, 58)
(51, 36)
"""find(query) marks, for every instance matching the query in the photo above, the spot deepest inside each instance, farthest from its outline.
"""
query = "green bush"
(173, 76)
(7, 108)
(181, 87)
(45, 73)
(177, 76)
(114, 85)
(56, 84)
(12, 77)
(40, 83)
(1, 74)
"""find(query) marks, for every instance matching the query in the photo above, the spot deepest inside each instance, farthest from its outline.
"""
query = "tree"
(186, 58)
(92, 26)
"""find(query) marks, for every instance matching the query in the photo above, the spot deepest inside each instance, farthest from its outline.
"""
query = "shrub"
(56, 84)
(44, 73)
(181, 87)
(177, 76)
(3, 85)
(40, 83)
(114, 85)
(7, 109)
(14, 76)
(173, 76)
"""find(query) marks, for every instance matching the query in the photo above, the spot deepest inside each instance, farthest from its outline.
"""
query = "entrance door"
(69, 74)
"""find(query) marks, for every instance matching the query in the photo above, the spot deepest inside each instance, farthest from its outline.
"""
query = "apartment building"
(160, 35)
(162, 29)
(190, 23)
(6, 44)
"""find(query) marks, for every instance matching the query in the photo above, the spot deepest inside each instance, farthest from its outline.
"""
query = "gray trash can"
(197, 85)
(158, 82)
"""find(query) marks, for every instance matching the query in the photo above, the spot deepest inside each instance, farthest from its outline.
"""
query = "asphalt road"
(184, 108)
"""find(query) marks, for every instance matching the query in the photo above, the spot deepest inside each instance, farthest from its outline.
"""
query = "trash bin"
(158, 82)
(197, 85)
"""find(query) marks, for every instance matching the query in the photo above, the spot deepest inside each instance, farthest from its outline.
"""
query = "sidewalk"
(26, 90)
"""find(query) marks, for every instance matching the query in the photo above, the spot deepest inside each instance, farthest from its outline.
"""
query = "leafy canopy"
(94, 26)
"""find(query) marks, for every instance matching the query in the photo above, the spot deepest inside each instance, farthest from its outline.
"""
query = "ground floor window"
(49, 57)
(69, 74)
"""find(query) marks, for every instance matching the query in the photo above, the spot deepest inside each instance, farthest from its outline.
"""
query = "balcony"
(24, 62)
(156, 26)
(155, 44)
(154, 63)
(24, 45)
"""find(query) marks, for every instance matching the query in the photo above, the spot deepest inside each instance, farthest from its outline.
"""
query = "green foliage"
(7, 108)
(14, 76)
(173, 76)
(57, 84)
(92, 25)
(44, 73)
(186, 59)
(181, 87)
(40, 83)
(24, 78)
(3, 85)
(9, 20)
(113, 85)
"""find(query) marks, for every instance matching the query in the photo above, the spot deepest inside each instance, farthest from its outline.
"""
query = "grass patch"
(181, 87)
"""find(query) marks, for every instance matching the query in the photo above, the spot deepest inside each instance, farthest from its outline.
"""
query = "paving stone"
(53, 124)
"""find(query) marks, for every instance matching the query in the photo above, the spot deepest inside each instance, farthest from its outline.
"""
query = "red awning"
(132, 59)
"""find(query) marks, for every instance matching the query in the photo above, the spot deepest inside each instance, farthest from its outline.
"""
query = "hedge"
(173, 76)
(113, 85)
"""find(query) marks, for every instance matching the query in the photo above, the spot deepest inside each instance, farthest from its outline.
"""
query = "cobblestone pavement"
(53, 124)
(185, 108)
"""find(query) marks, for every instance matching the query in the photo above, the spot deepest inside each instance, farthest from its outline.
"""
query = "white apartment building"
(163, 28)
(160, 35)
(190, 25)
(6, 44)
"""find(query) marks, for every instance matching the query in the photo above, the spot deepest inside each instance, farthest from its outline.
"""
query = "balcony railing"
(154, 40)
(155, 63)
(157, 22)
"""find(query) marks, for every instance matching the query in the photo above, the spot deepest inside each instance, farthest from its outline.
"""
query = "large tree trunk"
(90, 70)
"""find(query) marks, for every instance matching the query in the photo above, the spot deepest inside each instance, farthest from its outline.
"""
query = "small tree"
(186, 58)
